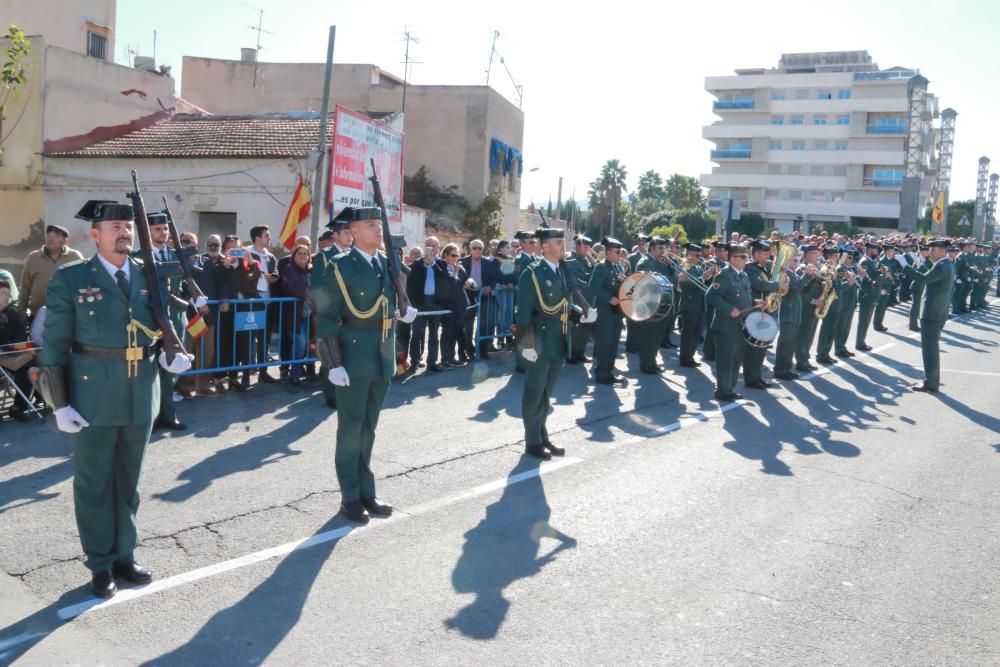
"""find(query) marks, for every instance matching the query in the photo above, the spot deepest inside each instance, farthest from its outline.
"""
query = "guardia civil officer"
(99, 374)
(355, 308)
(874, 286)
(921, 264)
(938, 283)
(691, 305)
(759, 273)
(848, 304)
(731, 298)
(828, 329)
(605, 282)
(579, 263)
(790, 317)
(341, 241)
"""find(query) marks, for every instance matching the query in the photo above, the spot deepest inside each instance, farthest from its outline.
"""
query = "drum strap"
(561, 308)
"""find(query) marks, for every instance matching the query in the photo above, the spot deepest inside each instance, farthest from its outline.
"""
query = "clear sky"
(618, 80)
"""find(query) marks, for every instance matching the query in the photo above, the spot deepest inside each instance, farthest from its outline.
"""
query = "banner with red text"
(357, 138)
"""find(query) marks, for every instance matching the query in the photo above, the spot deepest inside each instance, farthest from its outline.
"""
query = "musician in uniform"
(790, 317)
(691, 304)
(829, 327)
(528, 256)
(889, 267)
(810, 298)
(604, 284)
(632, 327)
(921, 264)
(730, 297)
(355, 340)
(982, 282)
(99, 374)
(848, 304)
(543, 320)
(759, 273)
(650, 333)
(718, 263)
(873, 283)
(580, 264)
(938, 283)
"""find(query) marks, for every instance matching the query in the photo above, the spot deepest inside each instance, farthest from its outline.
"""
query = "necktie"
(377, 266)
(122, 282)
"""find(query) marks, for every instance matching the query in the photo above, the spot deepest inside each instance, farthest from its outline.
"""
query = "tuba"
(784, 253)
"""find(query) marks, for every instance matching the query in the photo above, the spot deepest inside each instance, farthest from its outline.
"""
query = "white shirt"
(113, 270)
(429, 280)
(263, 287)
(368, 258)
(552, 265)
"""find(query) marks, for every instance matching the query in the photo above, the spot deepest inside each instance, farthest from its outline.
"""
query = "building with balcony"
(820, 141)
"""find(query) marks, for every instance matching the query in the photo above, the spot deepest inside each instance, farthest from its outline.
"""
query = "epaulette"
(76, 262)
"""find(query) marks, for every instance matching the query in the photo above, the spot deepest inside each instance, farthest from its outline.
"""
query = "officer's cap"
(523, 235)
(658, 240)
(831, 250)
(808, 247)
(760, 244)
(940, 243)
(350, 214)
(610, 243)
(643, 237)
(738, 249)
(585, 240)
(98, 210)
(720, 245)
(965, 242)
(546, 233)
(873, 246)
(692, 247)
(156, 218)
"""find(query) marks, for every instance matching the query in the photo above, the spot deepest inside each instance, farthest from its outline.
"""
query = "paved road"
(837, 520)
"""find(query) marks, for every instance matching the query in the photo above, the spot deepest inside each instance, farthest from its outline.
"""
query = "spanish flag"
(297, 212)
(196, 327)
(938, 213)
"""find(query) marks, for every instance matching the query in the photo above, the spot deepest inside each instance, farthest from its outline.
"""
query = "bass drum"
(760, 329)
(646, 297)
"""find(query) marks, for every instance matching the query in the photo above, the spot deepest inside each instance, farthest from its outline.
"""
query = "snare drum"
(646, 297)
(760, 329)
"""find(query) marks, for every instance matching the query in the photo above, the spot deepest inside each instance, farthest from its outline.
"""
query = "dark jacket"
(13, 326)
(415, 285)
(210, 279)
(938, 284)
(733, 291)
(490, 276)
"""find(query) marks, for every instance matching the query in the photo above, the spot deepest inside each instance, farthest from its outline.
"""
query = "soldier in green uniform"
(604, 284)
(759, 273)
(543, 320)
(981, 283)
(830, 324)
(889, 267)
(579, 264)
(355, 340)
(632, 327)
(650, 334)
(808, 323)
(873, 283)
(730, 297)
(848, 304)
(529, 248)
(938, 284)
(691, 304)
(921, 264)
(341, 242)
(719, 262)
(790, 317)
(99, 374)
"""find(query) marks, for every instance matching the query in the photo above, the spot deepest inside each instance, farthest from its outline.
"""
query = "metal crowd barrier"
(239, 332)
(498, 311)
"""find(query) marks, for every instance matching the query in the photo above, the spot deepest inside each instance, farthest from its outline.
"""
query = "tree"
(484, 221)
(670, 231)
(697, 223)
(684, 192)
(651, 187)
(12, 75)
(423, 192)
(751, 224)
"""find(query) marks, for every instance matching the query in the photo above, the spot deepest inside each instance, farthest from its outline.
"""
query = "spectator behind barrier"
(13, 329)
(294, 277)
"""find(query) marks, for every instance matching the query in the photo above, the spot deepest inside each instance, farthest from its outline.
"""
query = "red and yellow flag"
(938, 213)
(196, 327)
(297, 212)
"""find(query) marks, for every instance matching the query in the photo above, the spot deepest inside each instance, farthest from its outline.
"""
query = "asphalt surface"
(837, 520)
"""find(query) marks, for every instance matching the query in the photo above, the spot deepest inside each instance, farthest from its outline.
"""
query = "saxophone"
(828, 295)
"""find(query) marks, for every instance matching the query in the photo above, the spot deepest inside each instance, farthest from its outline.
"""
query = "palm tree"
(685, 192)
(612, 182)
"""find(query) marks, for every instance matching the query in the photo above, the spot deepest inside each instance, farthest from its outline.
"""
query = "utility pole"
(493, 52)
(559, 200)
(317, 198)
(406, 64)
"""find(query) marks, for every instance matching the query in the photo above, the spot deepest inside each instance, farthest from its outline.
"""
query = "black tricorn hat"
(157, 218)
(350, 214)
(609, 242)
(940, 243)
(523, 235)
(831, 250)
(692, 247)
(97, 210)
(545, 233)
(760, 245)
(584, 239)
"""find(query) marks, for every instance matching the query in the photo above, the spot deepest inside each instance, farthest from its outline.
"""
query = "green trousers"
(708, 349)
(828, 333)
(865, 313)
(329, 391)
(580, 337)
(930, 345)
(844, 322)
(691, 326)
(649, 336)
(107, 462)
(539, 381)
(807, 334)
(881, 306)
(753, 364)
(358, 408)
(729, 348)
(167, 411)
(607, 334)
(917, 293)
(784, 353)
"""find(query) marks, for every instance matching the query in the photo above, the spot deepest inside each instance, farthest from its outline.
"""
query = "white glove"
(411, 314)
(590, 317)
(529, 354)
(181, 363)
(472, 284)
(200, 301)
(338, 377)
(69, 420)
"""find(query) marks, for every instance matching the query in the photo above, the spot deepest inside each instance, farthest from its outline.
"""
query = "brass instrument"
(784, 253)
(828, 295)
(684, 265)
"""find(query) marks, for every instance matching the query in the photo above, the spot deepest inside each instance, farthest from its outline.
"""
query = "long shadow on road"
(502, 549)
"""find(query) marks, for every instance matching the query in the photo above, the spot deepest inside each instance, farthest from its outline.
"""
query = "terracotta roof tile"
(191, 136)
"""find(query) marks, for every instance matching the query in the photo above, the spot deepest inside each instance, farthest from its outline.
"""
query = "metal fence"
(494, 316)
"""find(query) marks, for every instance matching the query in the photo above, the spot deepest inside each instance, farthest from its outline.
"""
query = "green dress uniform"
(961, 283)
(753, 356)
(691, 304)
(789, 319)
(355, 301)
(86, 337)
(580, 272)
(886, 293)
(808, 324)
(604, 283)
(521, 264)
(543, 321)
(938, 284)
(872, 285)
(176, 304)
(848, 304)
(924, 265)
(830, 324)
(731, 289)
(631, 326)
(321, 261)
(708, 349)
(651, 334)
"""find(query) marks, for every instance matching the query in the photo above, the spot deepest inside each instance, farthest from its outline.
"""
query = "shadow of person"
(988, 422)
(504, 547)
(236, 635)
(20, 637)
(27, 489)
(507, 399)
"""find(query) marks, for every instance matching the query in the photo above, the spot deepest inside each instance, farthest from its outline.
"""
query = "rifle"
(171, 343)
(182, 257)
(570, 276)
(402, 301)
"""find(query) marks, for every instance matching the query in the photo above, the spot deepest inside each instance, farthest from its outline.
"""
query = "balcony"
(885, 76)
(887, 128)
(731, 154)
(723, 105)
(875, 181)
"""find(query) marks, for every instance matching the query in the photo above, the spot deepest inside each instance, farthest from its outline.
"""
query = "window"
(742, 146)
(837, 197)
(774, 146)
(771, 194)
(840, 170)
(96, 45)
(802, 94)
(774, 169)
(843, 119)
(817, 195)
(887, 177)
(795, 195)
(817, 170)
(777, 94)
(843, 93)
(777, 120)
(823, 94)
(821, 146)
(794, 170)
(840, 146)
(819, 120)
(798, 120)
(798, 145)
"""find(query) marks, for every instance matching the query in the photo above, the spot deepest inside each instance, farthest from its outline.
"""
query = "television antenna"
(259, 29)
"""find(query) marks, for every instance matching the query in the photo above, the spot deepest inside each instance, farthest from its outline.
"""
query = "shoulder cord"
(380, 303)
(561, 308)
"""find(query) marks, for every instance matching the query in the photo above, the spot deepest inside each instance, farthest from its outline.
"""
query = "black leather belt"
(370, 323)
(118, 353)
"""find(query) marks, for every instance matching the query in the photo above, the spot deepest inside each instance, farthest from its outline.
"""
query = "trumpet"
(683, 266)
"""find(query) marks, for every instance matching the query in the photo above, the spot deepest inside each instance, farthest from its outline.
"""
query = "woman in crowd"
(294, 281)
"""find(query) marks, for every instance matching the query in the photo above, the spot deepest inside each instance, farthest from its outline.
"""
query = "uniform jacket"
(604, 284)
(733, 291)
(791, 303)
(542, 332)
(872, 286)
(938, 284)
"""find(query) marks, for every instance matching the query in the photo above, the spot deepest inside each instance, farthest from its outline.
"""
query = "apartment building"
(821, 141)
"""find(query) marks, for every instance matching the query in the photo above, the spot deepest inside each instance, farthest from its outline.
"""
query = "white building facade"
(819, 142)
